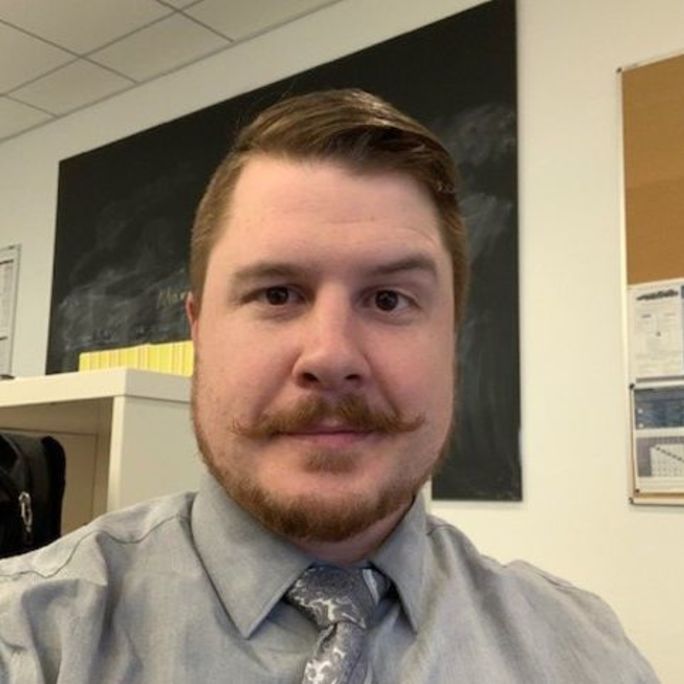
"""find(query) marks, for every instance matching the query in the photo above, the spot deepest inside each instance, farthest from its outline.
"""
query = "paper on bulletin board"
(658, 438)
(656, 340)
(9, 271)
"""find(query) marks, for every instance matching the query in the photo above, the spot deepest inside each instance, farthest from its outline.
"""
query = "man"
(328, 275)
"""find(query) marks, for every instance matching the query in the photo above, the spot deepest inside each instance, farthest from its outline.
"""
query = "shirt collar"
(402, 558)
(249, 566)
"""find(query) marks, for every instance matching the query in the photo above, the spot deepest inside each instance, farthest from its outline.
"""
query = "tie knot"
(328, 594)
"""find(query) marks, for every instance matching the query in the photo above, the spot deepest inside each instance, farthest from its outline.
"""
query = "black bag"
(31, 492)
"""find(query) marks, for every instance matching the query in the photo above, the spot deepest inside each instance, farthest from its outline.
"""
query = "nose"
(331, 355)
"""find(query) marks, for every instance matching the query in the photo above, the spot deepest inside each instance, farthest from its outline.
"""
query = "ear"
(192, 312)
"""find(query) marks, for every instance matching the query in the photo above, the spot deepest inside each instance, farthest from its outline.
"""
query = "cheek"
(240, 371)
(427, 357)
(420, 377)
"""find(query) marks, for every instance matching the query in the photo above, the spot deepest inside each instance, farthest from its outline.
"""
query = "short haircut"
(350, 127)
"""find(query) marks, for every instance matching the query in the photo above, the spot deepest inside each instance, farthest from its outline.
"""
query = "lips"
(329, 430)
(329, 435)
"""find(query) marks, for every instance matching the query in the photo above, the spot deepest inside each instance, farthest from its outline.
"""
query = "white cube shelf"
(127, 434)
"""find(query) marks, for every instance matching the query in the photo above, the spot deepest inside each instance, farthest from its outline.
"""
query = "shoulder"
(86, 551)
(461, 559)
(520, 585)
(68, 592)
(543, 614)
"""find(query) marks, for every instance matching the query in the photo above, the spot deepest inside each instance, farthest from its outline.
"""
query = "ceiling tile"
(16, 117)
(160, 48)
(23, 58)
(72, 86)
(240, 19)
(81, 25)
(179, 4)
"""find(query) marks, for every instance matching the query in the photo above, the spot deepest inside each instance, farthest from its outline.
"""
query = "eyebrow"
(413, 262)
(264, 270)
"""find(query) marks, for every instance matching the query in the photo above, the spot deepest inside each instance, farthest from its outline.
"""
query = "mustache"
(350, 412)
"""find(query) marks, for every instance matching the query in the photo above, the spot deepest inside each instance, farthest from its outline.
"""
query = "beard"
(314, 516)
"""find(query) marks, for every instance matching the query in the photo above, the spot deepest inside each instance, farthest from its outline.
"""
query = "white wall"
(575, 520)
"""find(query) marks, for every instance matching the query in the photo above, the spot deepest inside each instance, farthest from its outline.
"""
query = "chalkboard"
(125, 211)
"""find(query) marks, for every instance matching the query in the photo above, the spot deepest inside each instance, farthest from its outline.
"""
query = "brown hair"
(348, 126)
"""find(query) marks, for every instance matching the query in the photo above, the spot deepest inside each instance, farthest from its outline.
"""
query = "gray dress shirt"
(189, 588)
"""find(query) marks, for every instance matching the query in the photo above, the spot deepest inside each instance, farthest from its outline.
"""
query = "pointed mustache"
(352, 412)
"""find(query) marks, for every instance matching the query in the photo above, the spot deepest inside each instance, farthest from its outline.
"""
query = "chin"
(324, 518)
(318, 510)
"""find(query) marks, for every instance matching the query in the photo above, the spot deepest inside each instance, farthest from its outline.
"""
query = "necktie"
(341, 602)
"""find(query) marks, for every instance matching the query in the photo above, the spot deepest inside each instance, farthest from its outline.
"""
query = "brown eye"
(386, 300)
(277, 296)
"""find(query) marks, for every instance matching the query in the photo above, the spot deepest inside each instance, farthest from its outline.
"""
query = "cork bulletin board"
(653, 134)
(653, 146)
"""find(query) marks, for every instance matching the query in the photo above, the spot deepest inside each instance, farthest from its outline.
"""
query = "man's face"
(323, 389)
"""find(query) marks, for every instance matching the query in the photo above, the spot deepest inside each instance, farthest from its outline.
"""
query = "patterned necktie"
(341, 602)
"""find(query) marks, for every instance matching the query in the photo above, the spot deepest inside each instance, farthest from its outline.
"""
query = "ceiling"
(57, 56)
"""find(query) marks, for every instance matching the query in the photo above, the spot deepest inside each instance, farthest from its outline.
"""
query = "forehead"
(281, 203)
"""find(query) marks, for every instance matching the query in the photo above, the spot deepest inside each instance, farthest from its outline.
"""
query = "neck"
(356, 548)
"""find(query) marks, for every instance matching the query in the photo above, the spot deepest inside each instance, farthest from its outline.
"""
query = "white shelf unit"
(127, 434)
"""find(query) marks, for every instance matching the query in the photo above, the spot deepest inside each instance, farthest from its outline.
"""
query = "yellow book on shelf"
(176, 357)
(166, 358)
(144, 356)
(133, 357)
(84, 361)
(114, 358)
(153, 358)
(188, 358)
